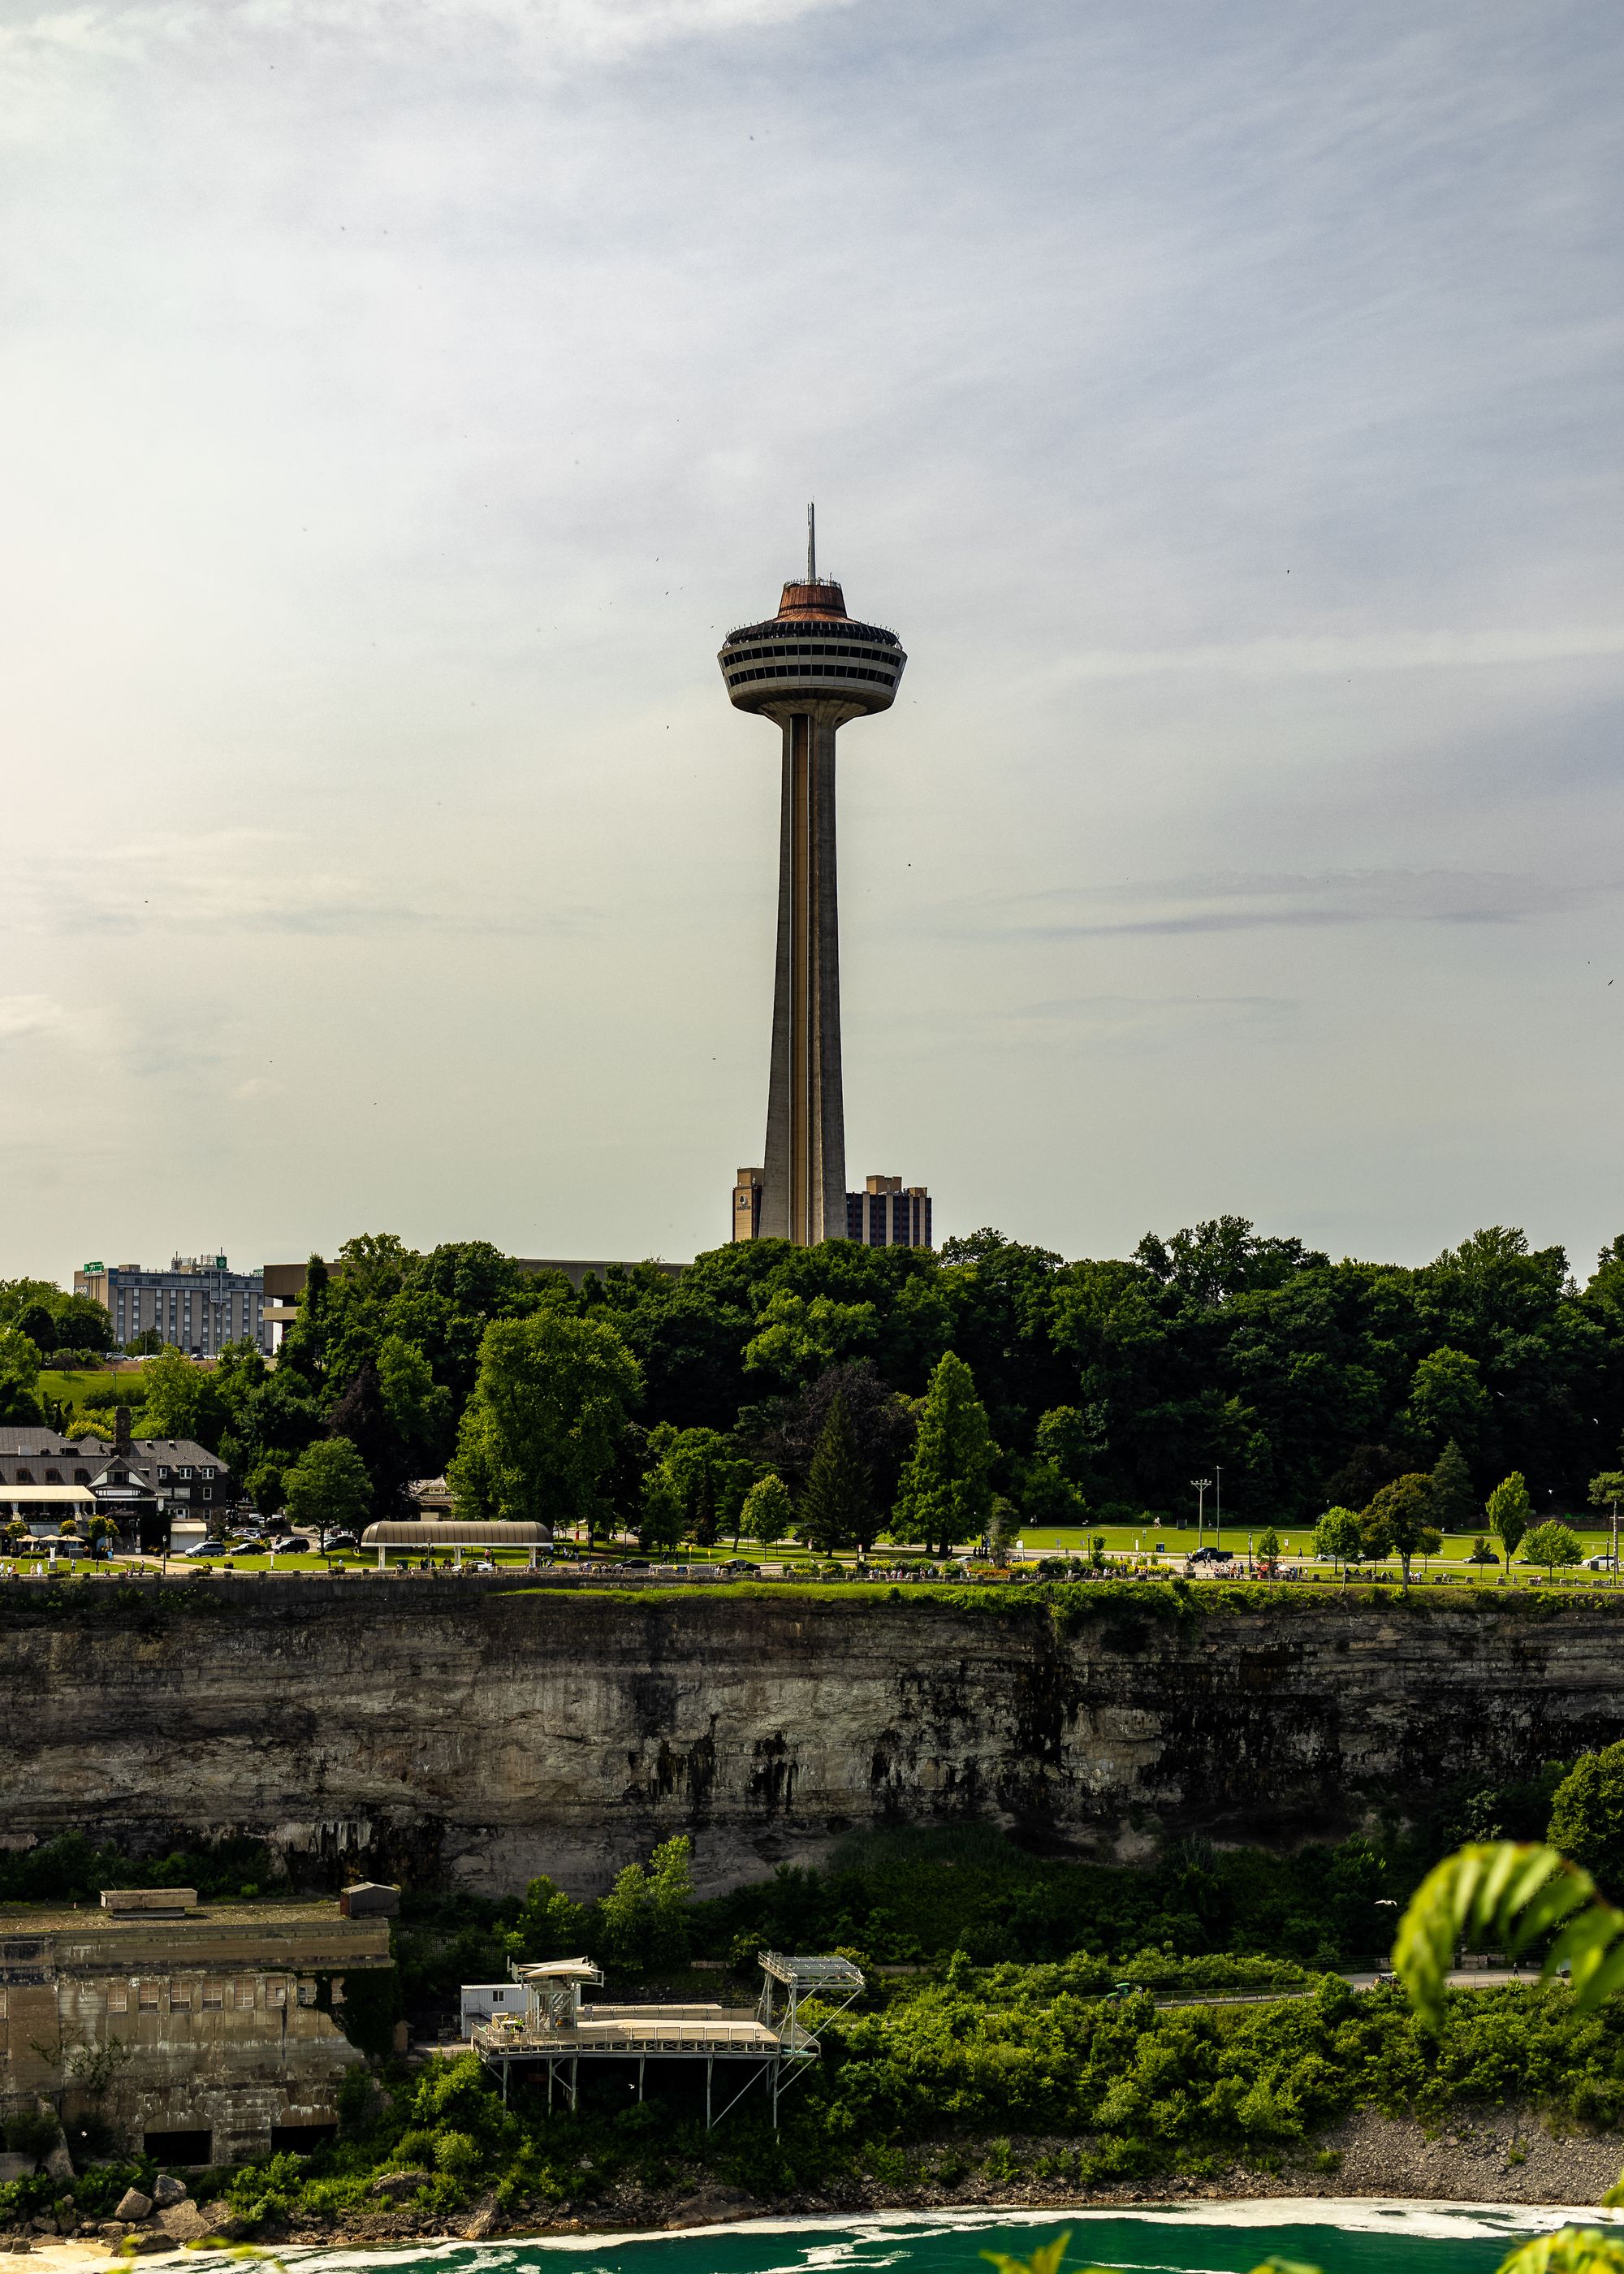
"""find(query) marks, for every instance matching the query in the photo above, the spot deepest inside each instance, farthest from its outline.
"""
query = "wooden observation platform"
(558, 2030)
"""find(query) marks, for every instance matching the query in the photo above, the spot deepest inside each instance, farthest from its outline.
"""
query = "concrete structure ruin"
(810, 669)
(196, 2032)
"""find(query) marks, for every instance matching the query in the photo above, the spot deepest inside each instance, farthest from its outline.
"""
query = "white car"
(1597, 1563)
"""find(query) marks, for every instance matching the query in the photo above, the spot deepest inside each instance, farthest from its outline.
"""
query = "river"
(1360, 2236)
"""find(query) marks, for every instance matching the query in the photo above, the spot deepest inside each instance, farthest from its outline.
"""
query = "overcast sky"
(402, 400)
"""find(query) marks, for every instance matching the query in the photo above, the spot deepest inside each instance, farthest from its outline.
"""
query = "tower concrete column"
(810, 669)
(803, 1196)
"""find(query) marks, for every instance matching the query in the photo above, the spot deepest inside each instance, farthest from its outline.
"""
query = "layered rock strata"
(406, 1726)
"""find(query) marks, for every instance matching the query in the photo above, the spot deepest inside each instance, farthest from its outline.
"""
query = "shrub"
(32, 2132)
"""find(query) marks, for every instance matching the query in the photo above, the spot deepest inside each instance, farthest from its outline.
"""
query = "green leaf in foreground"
(1508, 1895)
(1044, 2260)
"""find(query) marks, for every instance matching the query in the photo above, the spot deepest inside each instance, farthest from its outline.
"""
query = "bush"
(457, 2155)
(32, 2132)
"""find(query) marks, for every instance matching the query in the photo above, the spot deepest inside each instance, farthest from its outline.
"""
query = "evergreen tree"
(947, 1486)
(1454, 1504)
(837, 1507)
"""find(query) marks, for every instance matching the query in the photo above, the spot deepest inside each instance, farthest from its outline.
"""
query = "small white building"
(481, 2000)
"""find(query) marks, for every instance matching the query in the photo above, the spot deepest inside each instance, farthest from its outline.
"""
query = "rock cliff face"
(408, 1725)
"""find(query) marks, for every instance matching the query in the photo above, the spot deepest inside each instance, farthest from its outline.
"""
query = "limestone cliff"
(407, 1725)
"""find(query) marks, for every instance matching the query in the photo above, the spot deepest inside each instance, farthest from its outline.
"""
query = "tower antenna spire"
(811, 544)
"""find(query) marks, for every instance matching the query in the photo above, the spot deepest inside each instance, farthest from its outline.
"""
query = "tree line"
(849, 1392)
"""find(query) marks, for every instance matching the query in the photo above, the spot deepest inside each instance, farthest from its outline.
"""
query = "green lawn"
(69, 1389)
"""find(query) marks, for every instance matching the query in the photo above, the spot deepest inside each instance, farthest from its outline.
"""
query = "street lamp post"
(1218, 1503)
(1200, 1484)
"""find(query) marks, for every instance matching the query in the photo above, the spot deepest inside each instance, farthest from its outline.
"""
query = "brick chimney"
(121, 1431)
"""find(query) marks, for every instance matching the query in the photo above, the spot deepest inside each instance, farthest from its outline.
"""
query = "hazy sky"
(403, 400)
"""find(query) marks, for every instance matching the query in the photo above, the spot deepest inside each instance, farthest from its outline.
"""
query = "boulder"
(133, 2204)
(183, 2222)
(167, 2190)
(400, 2187)
(112, 2230)
(59, 2164)
(14, 2167)
(145, 2239)
(484, 2220)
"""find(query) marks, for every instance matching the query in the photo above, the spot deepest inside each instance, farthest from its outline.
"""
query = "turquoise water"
(1350, 2238)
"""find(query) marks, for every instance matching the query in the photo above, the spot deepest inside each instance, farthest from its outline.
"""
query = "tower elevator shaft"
(803, 1196)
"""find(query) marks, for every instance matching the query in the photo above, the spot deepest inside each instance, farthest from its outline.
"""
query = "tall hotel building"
(200, 1304)
(811, 669)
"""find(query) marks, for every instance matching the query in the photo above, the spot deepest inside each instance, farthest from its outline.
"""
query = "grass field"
(69, 1388)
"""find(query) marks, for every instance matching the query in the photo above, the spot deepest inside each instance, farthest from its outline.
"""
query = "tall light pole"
(1200, 1484)
(1218, 1503)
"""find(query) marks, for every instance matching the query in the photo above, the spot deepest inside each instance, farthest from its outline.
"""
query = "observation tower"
(810, 669)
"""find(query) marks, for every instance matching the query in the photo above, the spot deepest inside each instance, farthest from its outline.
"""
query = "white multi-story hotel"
(200, 1304)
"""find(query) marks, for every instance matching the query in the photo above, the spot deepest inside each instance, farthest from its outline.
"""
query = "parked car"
(292, 1543)
(635, 1564)
(344, 1543)
(206, 1548)
(1212, 1555)
(738, 1566)
(1597, 1563)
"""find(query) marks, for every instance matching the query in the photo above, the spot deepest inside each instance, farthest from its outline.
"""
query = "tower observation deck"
(811, 668)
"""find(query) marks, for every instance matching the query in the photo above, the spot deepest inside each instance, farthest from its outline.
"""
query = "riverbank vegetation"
(1090, 2026)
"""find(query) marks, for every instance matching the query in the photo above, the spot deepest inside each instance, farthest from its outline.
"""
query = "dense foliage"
(986, 2072)
(1101, 1388)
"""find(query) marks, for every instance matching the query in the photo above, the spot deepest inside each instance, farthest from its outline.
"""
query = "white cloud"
(24, 1017)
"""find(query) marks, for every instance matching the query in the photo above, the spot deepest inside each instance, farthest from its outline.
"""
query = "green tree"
(797, 1336)
(1510, 1512)
(1606, 1491)
(660, 1512)
(100, 1534)
(1337, 1535)
(1552, 1543)
(769, 1512)
(549, 1925)
(1269, 1546)
(542, 1429)
(946, 1493)
(20, 1378)
(1401, 1512)
(1447, 1399)
(327, 1489)
(1375, 1534)
(178, 1397)
(711, 1476)
(264, 1486)
(1481, 1552)
(643, 1924)
(1587, 1816)
(1455, 1504)
(417, 1406)
(837, 1507)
